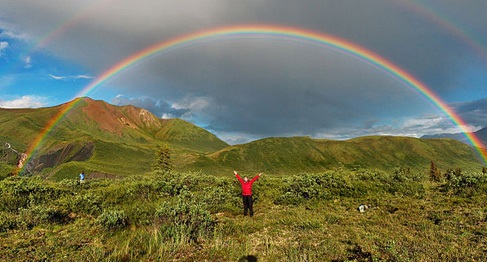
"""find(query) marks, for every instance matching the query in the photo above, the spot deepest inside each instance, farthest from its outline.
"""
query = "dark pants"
(247, 201)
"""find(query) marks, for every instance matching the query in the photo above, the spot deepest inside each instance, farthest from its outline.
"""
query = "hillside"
(481, 134)
(304, 154)
(100, 138)
(108, 141)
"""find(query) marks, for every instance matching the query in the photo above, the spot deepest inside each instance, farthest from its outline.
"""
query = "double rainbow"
(273, 31)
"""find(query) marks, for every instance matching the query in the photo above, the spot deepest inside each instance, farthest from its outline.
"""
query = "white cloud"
(82, 77)
(195, 104)
(410, 127)
(57, 77)
(434, 124)
(167, 116)
(8, 31)
(70, 77)
(194, 109)
(27, 62)
(24, 102)
(235, 138)
(3, 45)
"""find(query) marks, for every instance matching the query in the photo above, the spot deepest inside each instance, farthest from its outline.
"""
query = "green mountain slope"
(108, 140)
(304, 154)
(480, 134)
(101, 138)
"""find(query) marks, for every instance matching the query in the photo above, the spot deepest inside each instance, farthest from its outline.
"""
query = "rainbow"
(275, 31)
(448, 24)
(84, 14)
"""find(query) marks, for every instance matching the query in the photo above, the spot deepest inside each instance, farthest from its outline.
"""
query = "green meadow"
(421, 205)
(174, 216)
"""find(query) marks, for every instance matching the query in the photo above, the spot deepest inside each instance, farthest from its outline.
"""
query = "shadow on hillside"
(249, 258)
(357, 254)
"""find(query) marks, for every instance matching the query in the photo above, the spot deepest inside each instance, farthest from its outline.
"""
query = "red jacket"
(246, 186)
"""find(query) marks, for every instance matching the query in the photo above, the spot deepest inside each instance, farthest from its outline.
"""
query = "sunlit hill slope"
(101, 138)
(108, 140)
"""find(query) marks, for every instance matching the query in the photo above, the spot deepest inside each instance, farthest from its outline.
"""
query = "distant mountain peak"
(115, 119)
(481, 134)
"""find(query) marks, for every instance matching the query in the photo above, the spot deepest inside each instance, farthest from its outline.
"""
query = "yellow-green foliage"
(170, 216)
(122, 144)
(304, 154)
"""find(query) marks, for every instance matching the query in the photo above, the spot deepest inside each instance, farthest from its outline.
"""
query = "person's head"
(246, 179)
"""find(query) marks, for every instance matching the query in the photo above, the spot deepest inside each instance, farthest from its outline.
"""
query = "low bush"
(341, 183)
(186, 220)
(112, 219)
(221, 196)
(38, 215)
(466, 184)
(8, 221)
(31, 190)
(304, 187)
(90, 202)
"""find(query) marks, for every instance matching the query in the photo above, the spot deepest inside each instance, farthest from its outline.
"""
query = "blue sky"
(245, 89)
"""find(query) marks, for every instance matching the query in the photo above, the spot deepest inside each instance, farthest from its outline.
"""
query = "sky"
(243, 88)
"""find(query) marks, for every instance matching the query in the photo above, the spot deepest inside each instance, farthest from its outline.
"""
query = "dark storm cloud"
(473, 112)
(104, 35)
(257, 89)
(265, 87)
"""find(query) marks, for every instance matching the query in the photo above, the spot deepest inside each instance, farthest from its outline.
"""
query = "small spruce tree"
(434, 173)
(163, 160)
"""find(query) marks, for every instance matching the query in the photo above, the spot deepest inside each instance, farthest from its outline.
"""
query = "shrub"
(339, 183)
(7, 221)
(187, 220)
(112, 219)
(70, 183)
(223, 194)
(21, 192)
(37, 215)
(466, 184)
(174, 183)
(11, 203)
(310, 186)
(86, 202)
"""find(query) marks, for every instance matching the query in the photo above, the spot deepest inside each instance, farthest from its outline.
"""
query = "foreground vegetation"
(170, 216)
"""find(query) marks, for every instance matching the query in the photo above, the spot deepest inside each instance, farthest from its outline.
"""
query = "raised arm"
(256, 177)
(238, 177)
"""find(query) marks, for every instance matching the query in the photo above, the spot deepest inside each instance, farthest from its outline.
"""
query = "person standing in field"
(247, 192)
(82, 177)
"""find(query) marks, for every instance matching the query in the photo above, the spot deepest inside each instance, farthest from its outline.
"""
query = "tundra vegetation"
(165, 215)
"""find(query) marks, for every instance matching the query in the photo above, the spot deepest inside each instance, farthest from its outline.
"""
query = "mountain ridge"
(481, 134)
(96, 136)
(305, 154)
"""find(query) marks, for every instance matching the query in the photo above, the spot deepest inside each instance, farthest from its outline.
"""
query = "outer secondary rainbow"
(297, 34)
(448, 24)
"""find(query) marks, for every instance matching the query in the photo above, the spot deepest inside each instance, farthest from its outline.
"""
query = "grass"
(198, 217)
